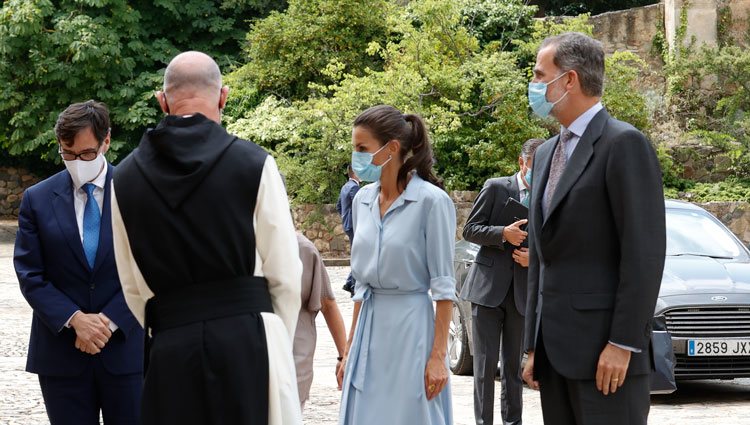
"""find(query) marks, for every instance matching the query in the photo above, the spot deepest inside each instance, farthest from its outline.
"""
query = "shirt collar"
(582, 122)
(412, 188)
(100, 180)
(411, 193)
(521, 186)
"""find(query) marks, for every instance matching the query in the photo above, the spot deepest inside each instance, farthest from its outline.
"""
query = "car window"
(695, 233)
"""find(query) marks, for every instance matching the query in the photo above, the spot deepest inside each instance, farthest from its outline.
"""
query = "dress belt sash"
(363, 333)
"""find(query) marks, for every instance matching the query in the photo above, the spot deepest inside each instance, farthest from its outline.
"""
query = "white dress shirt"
(578, 127)
(79, 204)
(80, 197)
(523, 192)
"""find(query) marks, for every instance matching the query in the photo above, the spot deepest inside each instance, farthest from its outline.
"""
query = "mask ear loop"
(561, 97)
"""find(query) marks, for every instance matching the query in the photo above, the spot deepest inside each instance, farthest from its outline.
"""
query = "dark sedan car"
(704, 298)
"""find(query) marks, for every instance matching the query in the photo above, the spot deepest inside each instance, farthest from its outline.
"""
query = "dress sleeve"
(441, 240)
(276, 247)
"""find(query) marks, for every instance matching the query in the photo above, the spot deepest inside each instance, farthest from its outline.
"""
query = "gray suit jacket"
(596, 262)
(494, 270)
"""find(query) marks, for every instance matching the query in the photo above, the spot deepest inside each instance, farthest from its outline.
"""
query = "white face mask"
(83, 172)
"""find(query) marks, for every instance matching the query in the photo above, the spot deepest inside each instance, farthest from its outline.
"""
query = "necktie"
(91, 221)
(559, 160)
(524, 197)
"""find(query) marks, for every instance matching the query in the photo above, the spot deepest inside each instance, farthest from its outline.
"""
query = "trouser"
(578, 402)
(490, 326)
(78, 400)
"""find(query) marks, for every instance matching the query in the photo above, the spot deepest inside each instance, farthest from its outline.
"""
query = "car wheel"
(458, 344)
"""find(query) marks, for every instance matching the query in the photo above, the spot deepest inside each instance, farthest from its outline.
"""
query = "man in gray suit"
(496, 288)
(597, 239)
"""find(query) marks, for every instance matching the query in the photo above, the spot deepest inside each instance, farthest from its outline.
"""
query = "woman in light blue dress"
(396, 369)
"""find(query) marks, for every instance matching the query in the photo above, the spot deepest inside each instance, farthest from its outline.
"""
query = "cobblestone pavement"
(21, 402)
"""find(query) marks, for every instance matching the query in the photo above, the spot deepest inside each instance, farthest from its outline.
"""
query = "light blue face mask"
(363, 166)
(527, 177)
(538, 97)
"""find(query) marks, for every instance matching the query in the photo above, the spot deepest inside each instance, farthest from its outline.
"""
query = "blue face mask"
(363, 166)
(538, 98)
(527, 177)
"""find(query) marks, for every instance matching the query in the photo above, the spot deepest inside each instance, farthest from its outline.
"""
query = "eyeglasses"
(85, 156)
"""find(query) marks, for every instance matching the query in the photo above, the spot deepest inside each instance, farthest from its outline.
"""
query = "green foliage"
(498, 21)
(472, 99)
(462, 65)
(710, 90)
(54, 53)
(621, 95)
(288, 50)
(671, 173)
(568, 8)
(729, 190)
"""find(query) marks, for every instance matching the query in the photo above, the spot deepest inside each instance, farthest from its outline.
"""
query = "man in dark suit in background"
(85, 345)
(344, 207)
(597, 242)
(496, 288)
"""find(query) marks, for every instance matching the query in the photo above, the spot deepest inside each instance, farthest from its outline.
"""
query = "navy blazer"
(56, 280)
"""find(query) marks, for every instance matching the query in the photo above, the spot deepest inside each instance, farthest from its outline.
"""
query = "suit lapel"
(65, 214)
(579, 160)
(105, 232)
(515, 193)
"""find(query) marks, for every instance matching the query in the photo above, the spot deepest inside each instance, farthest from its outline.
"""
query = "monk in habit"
(208, 259)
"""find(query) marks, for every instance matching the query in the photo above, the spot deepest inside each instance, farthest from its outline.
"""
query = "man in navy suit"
(85, 345)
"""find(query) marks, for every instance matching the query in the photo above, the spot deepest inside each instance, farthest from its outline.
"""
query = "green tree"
(439, 59)
(498, 21)
(53, 53)
(288, 50)
(572, 8)
(472, 98)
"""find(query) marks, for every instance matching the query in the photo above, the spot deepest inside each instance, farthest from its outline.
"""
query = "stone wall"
(709, 22)
(735, 215)
(738, 28)
(13, 181)
(322, 225)
(632, 30)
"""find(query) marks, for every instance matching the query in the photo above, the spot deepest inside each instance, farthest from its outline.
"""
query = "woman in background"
(317, 296)
(396, 367)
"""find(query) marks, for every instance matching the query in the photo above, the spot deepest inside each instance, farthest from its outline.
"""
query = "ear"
(223, 97)
(573, 83)
(521, 163)
(105, 144)
(162, 99)
(394, 146)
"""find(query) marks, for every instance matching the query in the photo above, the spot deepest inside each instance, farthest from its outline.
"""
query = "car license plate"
(719, 347)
